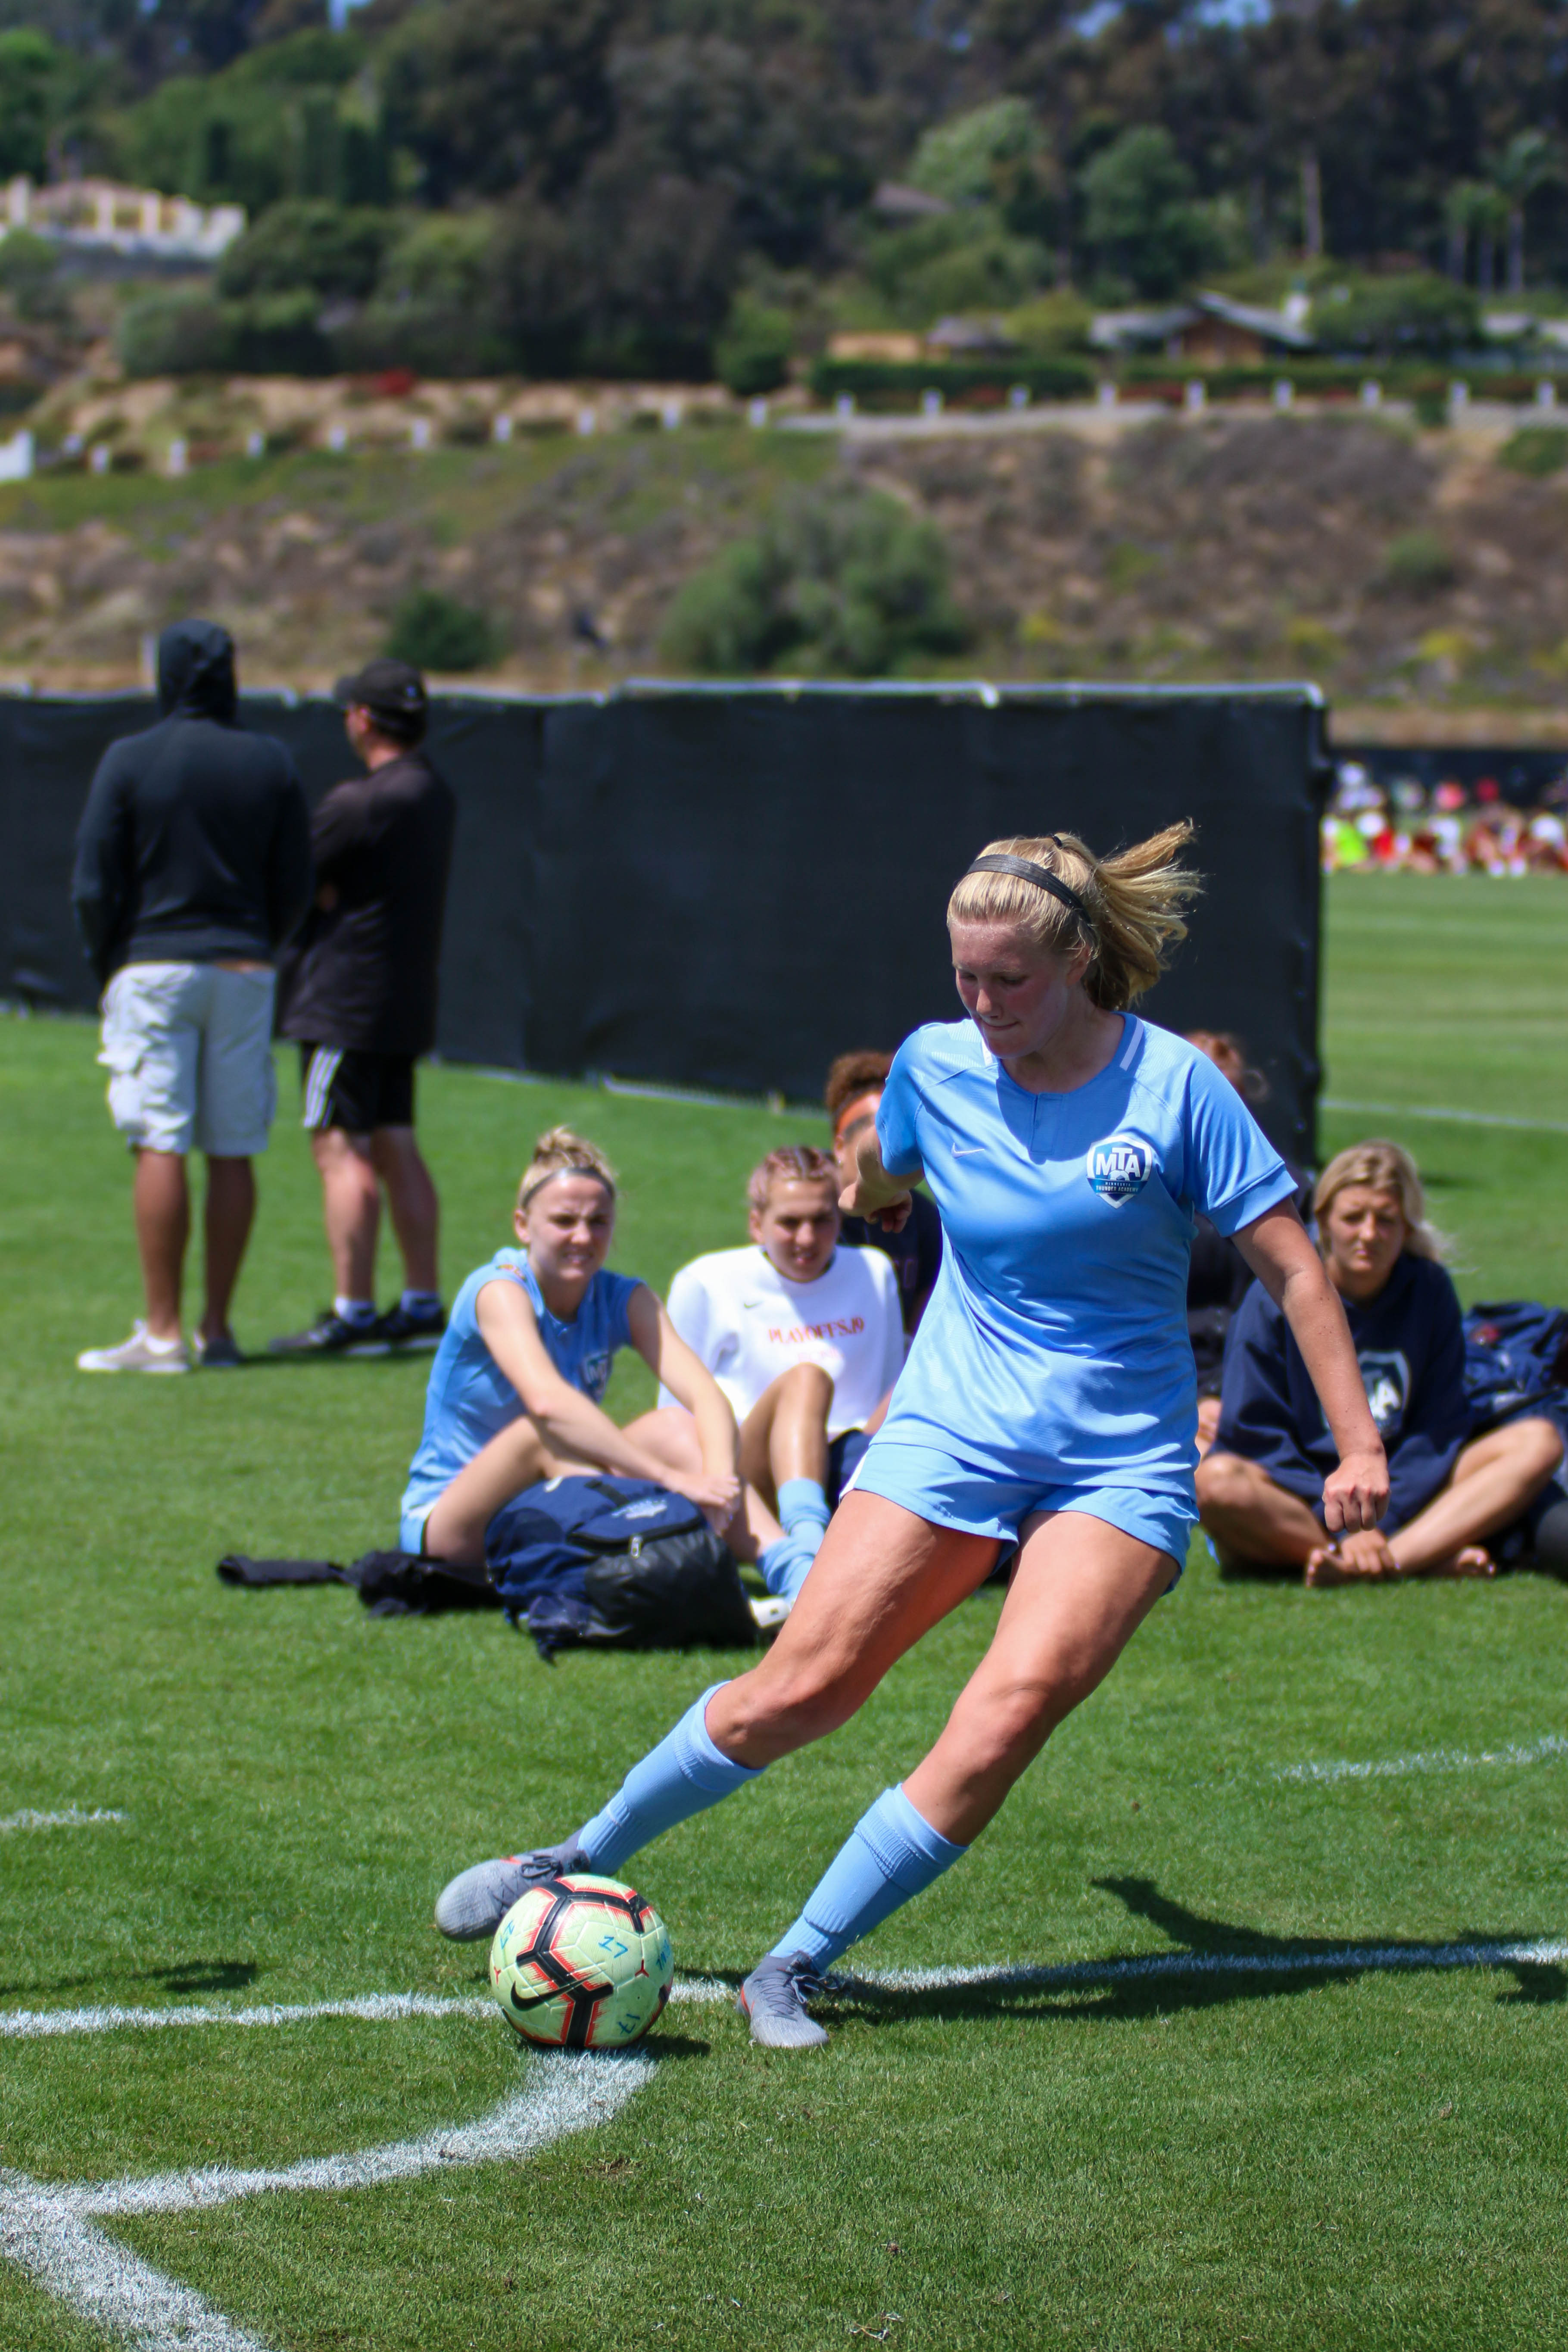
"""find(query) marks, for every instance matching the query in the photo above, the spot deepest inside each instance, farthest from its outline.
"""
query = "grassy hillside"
(1394, 567)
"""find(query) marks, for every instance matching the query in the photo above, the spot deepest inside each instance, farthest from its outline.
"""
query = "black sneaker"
(329, 1335)
(401, 1328)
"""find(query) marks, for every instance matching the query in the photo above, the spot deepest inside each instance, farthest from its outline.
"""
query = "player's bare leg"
(1079, 1593)
(515, 1458)
(882, 1579)
(670, 1436)
(1255, 1521)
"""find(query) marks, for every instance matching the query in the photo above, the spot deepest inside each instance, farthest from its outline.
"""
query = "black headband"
(1041, 875)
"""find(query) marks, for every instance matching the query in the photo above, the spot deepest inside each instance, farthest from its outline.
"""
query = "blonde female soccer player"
(1047, 1402)
(526, 1356)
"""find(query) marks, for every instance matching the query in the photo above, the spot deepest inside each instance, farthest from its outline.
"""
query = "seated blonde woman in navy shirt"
(1447, 1493)
(515, 1382)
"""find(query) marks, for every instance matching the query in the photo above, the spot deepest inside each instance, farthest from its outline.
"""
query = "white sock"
(354, 1310)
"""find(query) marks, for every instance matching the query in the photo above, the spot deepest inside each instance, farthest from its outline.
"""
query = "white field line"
(377, 2007)
(73, 1817)
(561, 2094)
(45, 2231)
(1449, 1118)
(103, 2283)
(1432, 1760)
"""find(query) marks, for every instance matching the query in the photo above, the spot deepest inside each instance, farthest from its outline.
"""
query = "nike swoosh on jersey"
(966, 1150)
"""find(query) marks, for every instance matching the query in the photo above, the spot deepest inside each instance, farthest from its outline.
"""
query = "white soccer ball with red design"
(580, 1963)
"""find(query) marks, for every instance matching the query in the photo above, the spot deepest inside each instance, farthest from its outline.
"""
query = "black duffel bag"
(616, 1563)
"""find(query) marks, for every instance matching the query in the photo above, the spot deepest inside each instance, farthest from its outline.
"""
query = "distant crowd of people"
(1452, 829)
(202, 883)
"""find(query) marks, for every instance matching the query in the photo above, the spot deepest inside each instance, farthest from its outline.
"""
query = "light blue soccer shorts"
(952, 1493)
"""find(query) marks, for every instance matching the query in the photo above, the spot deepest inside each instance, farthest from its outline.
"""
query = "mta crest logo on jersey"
(1120, 1166)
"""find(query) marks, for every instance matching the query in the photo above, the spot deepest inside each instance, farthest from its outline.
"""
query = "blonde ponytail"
(560, 1152)
(1133, 904)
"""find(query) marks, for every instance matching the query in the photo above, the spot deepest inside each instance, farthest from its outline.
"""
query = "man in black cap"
(361, 1003)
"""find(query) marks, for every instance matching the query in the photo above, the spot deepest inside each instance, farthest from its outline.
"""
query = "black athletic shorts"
(356, 1091)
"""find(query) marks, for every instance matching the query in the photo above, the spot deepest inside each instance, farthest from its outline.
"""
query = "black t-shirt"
(916, 1252)
(366, 977)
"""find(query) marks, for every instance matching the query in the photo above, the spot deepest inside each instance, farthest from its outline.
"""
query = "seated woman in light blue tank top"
(515, 1382)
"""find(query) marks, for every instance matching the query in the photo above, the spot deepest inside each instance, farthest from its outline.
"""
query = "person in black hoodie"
(362, 1004)
(1447, 1493)
(193, 865)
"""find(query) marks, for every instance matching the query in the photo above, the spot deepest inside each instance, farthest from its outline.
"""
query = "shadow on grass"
(1216, 1961)
(182, 1976)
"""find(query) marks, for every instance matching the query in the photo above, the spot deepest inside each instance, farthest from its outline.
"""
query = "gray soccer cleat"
(474, 1904)
(775, 1996)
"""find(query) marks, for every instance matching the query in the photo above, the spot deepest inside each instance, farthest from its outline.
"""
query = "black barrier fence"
(722, 887)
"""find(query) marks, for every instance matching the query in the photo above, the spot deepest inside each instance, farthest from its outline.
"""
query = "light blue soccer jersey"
(1055, 1346)
(471, 1400)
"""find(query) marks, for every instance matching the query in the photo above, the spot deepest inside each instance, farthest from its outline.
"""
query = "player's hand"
(716, 1493)
(1356, 1495)
(891, 1215)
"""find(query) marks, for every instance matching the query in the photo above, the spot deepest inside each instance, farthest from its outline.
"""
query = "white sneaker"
(140, 1353)
(768, 1610)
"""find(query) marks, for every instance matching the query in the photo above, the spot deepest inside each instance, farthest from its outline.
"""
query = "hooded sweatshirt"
(1410, 1343)
(195, 845)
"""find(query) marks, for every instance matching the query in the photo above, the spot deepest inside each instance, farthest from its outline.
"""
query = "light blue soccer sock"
(802, 1509)
(785, 1565)
(683, 1775)
(892, 1853)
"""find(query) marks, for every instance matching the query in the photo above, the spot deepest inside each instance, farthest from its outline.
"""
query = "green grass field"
(1276, 2153)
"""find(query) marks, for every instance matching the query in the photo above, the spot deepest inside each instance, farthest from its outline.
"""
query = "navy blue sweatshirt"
(1410, 1342)
(195, 845)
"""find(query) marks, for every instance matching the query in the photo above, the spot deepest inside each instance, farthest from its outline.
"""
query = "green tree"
(1139, 212)
(434, 306)
(1526, 164)
(328, 248)
(753, 354)
(962, 161)
(1416, 312)
(498, 94)
(30, 67)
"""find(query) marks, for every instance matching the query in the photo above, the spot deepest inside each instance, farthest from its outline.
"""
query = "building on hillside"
(896, 349)
(970, 338)
(1209, 330)
(100, 216)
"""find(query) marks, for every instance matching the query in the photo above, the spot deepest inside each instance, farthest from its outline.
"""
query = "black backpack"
(618, 1563)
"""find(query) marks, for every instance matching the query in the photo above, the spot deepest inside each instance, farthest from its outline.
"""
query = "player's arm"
(880, 1199)
(570, 1423)
(1276, 1247)
(689, 1381)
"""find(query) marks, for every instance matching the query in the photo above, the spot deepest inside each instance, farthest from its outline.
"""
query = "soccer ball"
(580, 1963)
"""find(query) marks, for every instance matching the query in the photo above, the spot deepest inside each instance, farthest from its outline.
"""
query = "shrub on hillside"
(29, 272)
(1536, 450)
(1418, 563)
(437, 632)
(183, 332)
(835, 584)
(752, 353)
